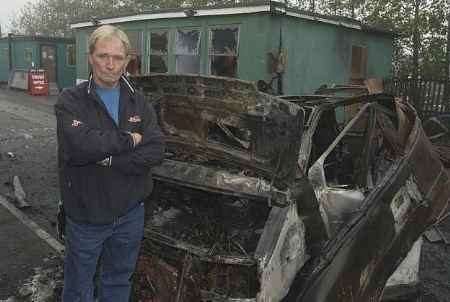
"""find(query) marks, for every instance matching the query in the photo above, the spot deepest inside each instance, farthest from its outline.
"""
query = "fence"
(429, 97)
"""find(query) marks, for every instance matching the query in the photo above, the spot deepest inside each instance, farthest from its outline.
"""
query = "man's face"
(108, 62)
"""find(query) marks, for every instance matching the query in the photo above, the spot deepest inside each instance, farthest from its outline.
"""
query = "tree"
(53, 17)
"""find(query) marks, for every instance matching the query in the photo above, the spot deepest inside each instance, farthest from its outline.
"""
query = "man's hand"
(137, 138)
(105, 162)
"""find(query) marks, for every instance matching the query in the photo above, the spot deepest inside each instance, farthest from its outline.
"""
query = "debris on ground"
(19, 194)
(45, 285)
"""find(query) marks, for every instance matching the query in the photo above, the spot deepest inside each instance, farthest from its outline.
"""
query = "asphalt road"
(29, 266)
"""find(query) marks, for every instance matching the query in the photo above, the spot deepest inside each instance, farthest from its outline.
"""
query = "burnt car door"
(379, 185)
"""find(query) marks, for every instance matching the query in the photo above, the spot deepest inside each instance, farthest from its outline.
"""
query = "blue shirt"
(110, 97)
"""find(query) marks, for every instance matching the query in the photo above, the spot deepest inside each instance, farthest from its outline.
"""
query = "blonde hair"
(107, 32)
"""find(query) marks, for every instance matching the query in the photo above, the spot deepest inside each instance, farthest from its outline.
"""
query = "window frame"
(137, 50)
(149, 47)
(198, 49)
(210, 45)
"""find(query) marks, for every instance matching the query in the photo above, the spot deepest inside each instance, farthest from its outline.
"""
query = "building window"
(158, 51)
(223, 51)
(28, 55)
(70, 55)
(134, 66)
(187, 45)
(359, 63)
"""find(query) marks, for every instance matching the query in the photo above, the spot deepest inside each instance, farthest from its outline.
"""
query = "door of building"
(48, 61)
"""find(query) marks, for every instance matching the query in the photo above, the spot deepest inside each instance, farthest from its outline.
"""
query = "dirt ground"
(28, 150)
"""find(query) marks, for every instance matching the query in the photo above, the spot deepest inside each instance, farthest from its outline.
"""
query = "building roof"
(245, 7)
(37, 38)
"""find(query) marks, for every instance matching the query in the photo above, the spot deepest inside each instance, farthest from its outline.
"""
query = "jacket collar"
(123, 81)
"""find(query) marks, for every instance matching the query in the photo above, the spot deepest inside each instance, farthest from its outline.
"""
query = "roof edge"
(258, 6)
(186, 12)
(37, 38)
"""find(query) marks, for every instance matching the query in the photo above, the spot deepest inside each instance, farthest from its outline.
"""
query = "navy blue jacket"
(87, 134)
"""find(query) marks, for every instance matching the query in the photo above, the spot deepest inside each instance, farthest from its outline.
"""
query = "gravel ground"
(28, 150)
(435, 268)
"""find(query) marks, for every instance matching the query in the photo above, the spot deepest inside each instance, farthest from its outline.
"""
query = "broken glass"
(134, 65)
(158, 51)
(187, 42)
(187, 51)
(223, 51)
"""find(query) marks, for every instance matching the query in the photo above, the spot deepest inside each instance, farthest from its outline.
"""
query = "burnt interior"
(216, 234)
(224, 225)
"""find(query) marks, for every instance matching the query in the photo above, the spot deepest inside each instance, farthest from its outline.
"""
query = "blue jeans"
(118, 244)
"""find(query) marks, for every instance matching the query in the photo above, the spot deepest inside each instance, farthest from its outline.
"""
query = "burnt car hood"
(225, 123)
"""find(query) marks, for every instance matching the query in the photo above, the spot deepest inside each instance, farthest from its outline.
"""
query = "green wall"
(317, 53)
(19, 47)
(320, 53)
(65, 73)
(4, 61)
(18, 54)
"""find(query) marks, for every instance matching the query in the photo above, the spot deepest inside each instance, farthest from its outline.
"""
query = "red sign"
(37, 82)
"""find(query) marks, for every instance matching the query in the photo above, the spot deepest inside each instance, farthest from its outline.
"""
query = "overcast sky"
(7, 9)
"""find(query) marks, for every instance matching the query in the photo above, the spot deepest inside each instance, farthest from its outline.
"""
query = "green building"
(294, 51)
(18, 54)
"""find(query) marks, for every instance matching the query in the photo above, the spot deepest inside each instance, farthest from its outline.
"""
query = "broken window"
(223, 51)
(359, 62)
(134, 65)
(70, 55)
(158, 51)
(187, 47)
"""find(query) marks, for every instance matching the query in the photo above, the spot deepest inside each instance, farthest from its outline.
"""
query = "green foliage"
(53, 17)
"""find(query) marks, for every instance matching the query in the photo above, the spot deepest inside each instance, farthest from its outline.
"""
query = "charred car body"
(313, 198)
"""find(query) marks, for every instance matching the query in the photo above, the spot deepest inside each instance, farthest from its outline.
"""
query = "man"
(108, 139)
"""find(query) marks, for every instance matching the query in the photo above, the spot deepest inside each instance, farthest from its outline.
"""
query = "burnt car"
(295, 198)
(438, 130)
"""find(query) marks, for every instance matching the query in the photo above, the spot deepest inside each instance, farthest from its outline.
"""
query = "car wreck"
(298, 198)
(438, 130)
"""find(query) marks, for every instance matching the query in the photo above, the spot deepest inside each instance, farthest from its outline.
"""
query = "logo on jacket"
(134, 119)
(76, 123)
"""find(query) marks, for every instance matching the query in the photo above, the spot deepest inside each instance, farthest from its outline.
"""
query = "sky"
(7, 9)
